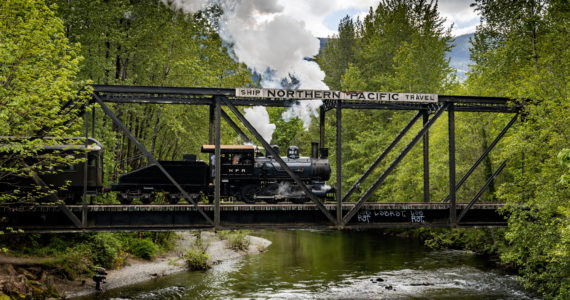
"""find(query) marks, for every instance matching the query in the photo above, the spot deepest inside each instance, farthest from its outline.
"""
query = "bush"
(236, 239)
(197, 260)
(143, 248)
(105, 248)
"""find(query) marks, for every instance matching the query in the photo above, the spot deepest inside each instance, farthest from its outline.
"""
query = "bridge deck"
(51, 218)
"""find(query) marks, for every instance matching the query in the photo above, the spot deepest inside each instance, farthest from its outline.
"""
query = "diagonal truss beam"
(268, 148)
(233, 125)
(393, 165)
(150, 157)
(383, 155)
(481, 191)
(476, 164)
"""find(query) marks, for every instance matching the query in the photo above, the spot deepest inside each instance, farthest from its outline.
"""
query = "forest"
(52, 50)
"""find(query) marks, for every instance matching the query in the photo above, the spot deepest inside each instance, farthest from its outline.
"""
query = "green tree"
(38, 75)
(338, 53)
(400, 46)
(149, 43)
(522, 51)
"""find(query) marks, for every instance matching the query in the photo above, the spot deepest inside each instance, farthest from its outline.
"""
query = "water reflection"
(333, 264)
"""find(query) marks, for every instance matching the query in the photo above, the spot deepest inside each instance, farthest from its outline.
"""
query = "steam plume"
(264, 38)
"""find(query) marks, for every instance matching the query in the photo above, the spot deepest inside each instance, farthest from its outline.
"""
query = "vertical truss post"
(425, 114)
(338, 162)
(481, 191)
(277, 158)
(85, 174)
(217, 165)
(211, 127)
(451, 126)
(93, 122)
(393, 165)
(149, 156)
(485, 153)
(322, 126)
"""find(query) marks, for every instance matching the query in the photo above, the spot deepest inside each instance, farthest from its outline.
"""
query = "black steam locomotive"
(246, 175)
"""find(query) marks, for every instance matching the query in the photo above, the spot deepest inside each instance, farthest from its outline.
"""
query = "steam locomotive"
(246, 175)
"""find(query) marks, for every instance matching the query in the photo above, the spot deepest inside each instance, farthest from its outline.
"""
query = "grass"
(237, 239)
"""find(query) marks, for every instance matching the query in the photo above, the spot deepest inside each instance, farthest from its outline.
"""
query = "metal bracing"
(149, 156)
(236, 128)
(425, 115)
(452, 190)
(217, 163)
(481, 191)
(202, 96)
(338, 164)
(211, 122)
(85, 173)
(277, 158)
(322, 136)
(381, 157)
(482, 157)
(393, 165)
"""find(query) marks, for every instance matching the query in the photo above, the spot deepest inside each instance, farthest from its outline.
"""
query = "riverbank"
(135, 270)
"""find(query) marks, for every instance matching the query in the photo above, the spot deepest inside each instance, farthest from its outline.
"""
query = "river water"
(337, 265)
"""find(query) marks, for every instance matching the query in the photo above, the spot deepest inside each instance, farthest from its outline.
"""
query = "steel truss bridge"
(341, 214)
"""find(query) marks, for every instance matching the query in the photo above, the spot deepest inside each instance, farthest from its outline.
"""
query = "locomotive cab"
(236, 160)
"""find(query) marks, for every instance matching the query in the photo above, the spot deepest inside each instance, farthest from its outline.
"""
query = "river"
(334, 264)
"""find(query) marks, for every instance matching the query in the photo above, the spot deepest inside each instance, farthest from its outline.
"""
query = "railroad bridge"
(340, 214)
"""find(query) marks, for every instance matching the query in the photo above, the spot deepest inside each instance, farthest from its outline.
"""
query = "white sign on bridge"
(334, 95)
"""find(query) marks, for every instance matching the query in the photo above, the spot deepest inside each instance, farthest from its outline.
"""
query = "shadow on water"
(334, 264)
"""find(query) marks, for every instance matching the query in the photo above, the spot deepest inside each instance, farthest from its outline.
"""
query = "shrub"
(105, 248)
(236, 239)
(144, 248)
(197, 260)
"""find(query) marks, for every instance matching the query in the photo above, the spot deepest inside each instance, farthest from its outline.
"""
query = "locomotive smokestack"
(315, 150)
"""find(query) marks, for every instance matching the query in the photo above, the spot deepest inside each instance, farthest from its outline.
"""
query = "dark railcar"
(192, 175)
(71, 175)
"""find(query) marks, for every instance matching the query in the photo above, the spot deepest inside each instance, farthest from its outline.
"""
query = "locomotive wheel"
(147, 198)
(300, 200)
(172, 199)
(247, 192)
(123, 199)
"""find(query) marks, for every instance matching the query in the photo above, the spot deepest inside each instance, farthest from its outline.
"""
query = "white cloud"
(459, 13)
(314, 13)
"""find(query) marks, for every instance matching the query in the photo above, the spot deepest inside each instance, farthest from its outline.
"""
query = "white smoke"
(265, 38)
(259, 118)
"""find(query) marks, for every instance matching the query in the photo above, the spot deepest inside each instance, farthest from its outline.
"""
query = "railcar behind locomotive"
(57, 176)
(246, 175)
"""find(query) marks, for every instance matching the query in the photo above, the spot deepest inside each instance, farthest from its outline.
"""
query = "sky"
(321, 17)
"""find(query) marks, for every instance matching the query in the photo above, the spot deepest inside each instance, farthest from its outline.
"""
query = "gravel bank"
(139, 270)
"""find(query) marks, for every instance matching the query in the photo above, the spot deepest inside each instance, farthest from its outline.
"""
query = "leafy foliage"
(197, 260)
(38, 74)
(143, 248)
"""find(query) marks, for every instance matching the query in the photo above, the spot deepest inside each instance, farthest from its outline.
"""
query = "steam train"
(246, 175)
